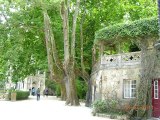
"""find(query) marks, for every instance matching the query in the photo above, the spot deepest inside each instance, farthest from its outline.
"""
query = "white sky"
(2, 18)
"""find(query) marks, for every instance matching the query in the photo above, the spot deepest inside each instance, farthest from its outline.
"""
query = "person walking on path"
(38, 94)
(33, 91)
(46, 92)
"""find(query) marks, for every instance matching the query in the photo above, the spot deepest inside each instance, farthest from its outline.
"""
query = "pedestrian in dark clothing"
(33, 91)
(38, 94)
(46, 92)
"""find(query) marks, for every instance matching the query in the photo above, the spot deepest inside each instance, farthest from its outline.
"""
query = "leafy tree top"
(147, 27)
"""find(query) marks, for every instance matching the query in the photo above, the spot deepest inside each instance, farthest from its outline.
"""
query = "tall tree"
(22, 39)
(54, 63)
(69, 54)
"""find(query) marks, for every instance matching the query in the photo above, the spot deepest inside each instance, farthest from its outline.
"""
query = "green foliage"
(99, 106)
(80, 85)
(50, 84)
(99, 14)
(58, 90)
(137, 29)
(107, 106)
(22, 40)
(81, 89)
(53, 88)
(20, 95)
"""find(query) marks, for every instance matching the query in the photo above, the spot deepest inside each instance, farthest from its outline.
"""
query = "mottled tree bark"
(54, 64)
(69, 57)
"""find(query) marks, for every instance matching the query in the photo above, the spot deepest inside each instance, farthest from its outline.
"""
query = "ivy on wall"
(140, 28)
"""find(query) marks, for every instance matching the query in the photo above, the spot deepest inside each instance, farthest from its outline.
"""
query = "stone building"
(36, 81)
(117, 70)
(116, 76)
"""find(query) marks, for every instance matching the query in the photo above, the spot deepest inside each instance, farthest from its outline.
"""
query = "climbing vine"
(139, 28)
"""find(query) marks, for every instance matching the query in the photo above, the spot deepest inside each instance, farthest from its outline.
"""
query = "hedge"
(20, 95)
(147, 27)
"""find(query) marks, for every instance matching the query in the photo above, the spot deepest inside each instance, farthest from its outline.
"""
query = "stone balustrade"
(118, 61)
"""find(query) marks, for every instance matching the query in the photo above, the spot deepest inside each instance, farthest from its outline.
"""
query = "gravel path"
(46, 109)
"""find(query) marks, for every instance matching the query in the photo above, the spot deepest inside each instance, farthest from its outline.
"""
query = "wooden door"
(156, 98)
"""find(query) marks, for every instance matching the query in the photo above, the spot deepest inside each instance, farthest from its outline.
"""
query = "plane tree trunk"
(69, 53)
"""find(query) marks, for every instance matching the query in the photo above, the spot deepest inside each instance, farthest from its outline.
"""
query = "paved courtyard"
(46, 109)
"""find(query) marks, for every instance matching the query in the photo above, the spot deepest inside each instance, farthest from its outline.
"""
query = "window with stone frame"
(129, 88)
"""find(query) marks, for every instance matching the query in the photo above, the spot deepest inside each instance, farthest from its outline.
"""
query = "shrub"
(81, 89)
(52, 86)
(107, 106)
(99, 106)
(58, 90)
(132, 110)
(20, 95)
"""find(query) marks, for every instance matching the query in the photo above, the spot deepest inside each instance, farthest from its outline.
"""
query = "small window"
(129, 88)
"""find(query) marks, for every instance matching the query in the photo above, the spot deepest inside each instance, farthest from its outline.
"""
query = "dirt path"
(46, 109)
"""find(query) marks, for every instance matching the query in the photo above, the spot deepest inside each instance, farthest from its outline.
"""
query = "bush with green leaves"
(57, 90)
(99, 106)
(80, 86)
(53, 87)
(20, 95)
(81, 89)
(107, 106)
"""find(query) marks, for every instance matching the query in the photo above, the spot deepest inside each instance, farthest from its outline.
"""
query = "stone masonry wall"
(109, 82)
